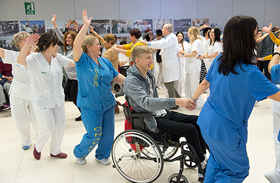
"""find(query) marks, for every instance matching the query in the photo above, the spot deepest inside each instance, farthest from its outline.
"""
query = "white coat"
(170, 60)
(20, 98)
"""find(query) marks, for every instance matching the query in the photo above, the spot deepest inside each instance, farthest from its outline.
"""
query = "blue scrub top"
(275, 74)
(231, 101)
(94, 83)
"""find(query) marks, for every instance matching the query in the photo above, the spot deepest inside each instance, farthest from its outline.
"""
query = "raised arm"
(77, 45)
(262, 37)
(2, 53)
(31, 41)
(57, 31)
(97, 35)
(53, 21)
(275, 59)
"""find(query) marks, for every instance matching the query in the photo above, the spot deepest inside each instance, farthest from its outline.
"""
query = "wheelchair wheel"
(169, 153)
(117, 88)
(190, 161)
(130, 162)
(174, 177)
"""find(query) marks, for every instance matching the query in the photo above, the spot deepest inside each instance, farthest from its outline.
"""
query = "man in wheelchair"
(140, 89)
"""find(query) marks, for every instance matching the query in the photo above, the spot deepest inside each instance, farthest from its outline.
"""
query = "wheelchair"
(116, 87)
(138, 154)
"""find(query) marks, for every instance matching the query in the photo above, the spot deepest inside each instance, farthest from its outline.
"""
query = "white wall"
(218, 11)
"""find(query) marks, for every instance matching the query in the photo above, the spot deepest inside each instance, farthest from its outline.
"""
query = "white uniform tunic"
(48, 98)
(46, 80)
(193, 67)
(211, 49)
(181, 83)
(20, 98)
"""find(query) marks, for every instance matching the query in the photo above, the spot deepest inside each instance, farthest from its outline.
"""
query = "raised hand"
(54, 18)
(91, 29)
(76, 24)
(86, 20)
(32, 40)
(269, 27)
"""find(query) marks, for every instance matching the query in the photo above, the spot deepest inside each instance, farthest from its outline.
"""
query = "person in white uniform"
(213, 49)
(45, 68)
(193, 66)
(171, 63)
(20, 94)
(180, 85)
(157, 70)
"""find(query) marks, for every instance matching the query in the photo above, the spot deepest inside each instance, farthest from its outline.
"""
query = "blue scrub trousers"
(100, 127)
(227, 163)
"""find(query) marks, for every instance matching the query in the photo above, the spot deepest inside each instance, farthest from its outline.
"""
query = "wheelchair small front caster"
(190, 162)
(174, 178)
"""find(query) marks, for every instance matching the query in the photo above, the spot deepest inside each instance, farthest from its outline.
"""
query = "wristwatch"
(276, 53)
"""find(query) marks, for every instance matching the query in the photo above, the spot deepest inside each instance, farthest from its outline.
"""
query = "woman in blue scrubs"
(235, 84)
(95, 98)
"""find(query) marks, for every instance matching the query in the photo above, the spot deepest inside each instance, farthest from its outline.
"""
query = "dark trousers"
(172, 92)
(263, 65)
(71, 91)
(183, 125)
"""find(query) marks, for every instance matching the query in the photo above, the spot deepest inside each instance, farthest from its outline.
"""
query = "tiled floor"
(18, 166)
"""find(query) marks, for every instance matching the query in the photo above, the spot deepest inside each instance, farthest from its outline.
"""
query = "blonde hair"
(137, 52)
(195, 34)
(88, 41)
(19, 37)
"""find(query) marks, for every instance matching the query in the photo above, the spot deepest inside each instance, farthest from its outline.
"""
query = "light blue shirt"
(231, 101)
(94, 88)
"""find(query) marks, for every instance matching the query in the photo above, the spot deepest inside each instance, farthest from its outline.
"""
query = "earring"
(89, 49)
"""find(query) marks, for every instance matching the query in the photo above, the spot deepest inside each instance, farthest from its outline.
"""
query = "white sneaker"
(105, 161)
(161, 88)
(81, 161)
(272, 177)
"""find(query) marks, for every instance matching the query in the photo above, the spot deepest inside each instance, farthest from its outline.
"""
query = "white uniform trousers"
(180, 84)
(23, 116)
(157, 72)
(52, 122)
(276, 128)
(192, 82)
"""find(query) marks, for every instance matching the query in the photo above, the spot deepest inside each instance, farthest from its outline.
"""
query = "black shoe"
(78, 118)
(174, 108)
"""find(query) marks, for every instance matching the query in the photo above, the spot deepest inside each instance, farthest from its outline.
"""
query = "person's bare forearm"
(201, 89)
(23, 54)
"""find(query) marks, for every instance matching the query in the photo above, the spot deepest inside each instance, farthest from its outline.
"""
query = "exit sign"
(29, 8)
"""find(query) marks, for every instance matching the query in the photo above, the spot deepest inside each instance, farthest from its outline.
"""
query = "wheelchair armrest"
(119, 95)
(142, 114)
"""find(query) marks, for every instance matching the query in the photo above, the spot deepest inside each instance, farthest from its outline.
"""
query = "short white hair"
(169, 27)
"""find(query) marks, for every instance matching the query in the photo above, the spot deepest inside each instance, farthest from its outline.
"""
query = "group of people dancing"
(233, 84)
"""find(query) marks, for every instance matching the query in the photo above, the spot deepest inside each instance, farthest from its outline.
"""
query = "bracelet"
(276, 53)
(194, 99)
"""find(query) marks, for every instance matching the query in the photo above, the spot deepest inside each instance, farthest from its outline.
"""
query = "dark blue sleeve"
(259, 86)
(275, 74)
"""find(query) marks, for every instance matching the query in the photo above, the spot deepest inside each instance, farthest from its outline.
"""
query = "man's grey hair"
(169, 27)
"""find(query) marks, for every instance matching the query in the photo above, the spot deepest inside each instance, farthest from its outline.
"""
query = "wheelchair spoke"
(134, 166)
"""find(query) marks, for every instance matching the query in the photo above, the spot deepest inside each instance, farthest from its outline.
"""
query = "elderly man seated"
(140, 88)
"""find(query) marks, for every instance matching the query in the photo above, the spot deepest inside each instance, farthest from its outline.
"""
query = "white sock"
(203, 164)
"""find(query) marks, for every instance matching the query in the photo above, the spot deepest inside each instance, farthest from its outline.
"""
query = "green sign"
(29, 8)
